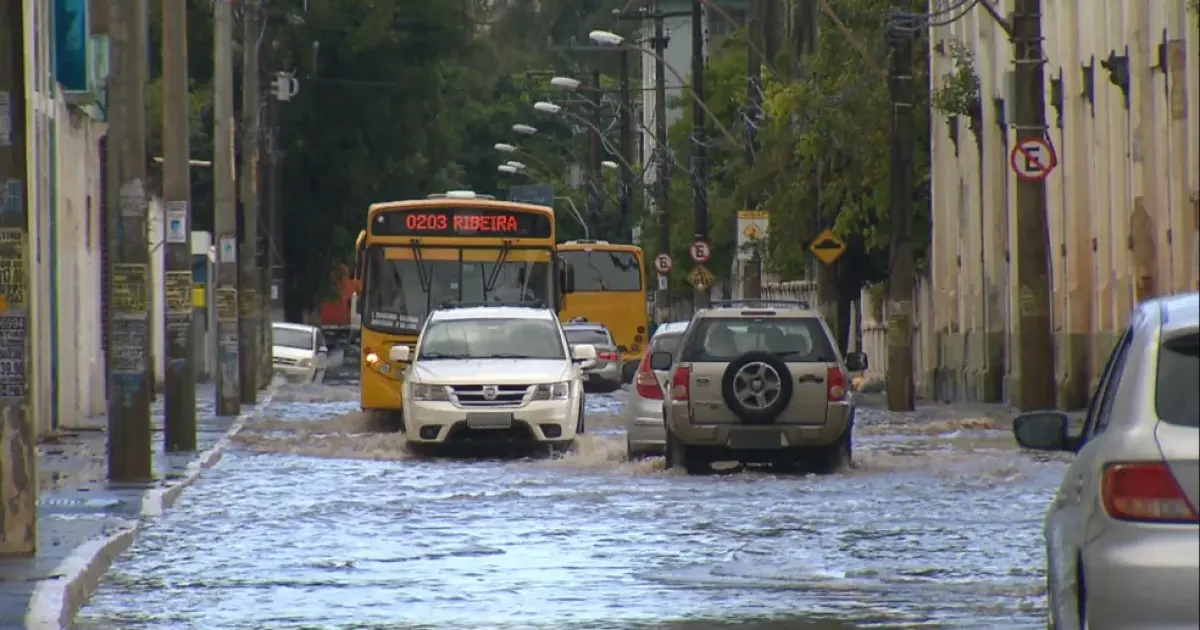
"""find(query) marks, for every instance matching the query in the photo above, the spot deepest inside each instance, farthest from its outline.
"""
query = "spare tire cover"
(757, 387)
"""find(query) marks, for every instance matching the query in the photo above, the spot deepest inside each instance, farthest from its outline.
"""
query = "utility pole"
(18, 431)
(662, 171)
(129, 289)
(900, 395)
(699, 141)
(267, 201)
(625, 187)
(248, 294)
(595, 198)
(753, 269)
(179, 427)
(1036, 354)
(225, 213)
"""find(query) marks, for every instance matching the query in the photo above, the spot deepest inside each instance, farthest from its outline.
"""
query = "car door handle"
(810, 378)
(703, 379)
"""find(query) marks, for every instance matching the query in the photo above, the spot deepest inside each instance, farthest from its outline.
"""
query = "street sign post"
(1033, 159)
(752, 227)
(700, 251)
(827, 247)
(662, 263)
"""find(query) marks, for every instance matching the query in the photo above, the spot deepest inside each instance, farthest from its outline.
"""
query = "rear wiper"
(421, 274)
(495, 275)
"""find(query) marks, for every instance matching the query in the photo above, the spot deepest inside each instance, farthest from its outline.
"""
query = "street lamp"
(520, 166)
(505, 148)
(525, 130)
(609, 164)
(547, 107)
(607, 38)
(566, 83)
(505, 168)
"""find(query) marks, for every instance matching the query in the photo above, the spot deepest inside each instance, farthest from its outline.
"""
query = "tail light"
(646, 381)
(679, 382)
(606, 356)
(835, 384)
(1144, 492)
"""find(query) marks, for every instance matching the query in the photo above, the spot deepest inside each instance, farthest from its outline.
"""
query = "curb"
(55, 602)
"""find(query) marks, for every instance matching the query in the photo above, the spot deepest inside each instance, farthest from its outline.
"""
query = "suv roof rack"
(526, 304)
(759, 303)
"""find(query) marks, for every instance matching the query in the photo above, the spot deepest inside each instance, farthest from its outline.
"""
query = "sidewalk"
(84, 522)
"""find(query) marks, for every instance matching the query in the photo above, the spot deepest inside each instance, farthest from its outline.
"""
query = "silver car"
(642, 411)
(605, 375)
(1122, 536)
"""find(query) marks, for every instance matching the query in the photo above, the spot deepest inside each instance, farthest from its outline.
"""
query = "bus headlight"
(553, 391)
(372, 358)
(428, 393)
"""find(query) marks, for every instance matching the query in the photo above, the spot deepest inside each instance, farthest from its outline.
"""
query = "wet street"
(316, 521)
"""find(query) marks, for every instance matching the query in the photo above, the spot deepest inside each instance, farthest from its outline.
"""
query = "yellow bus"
(458, 247)
(610, 289)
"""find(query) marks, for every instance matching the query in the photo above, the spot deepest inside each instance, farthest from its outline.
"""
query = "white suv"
(493, 375)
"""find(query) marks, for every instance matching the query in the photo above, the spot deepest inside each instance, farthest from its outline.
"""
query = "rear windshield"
(666, 342)
(1177, 396)
(593, 337)
(795, 340)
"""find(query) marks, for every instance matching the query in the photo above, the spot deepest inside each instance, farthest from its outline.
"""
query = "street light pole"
(595, 198)
(625, 187)
(699, 141)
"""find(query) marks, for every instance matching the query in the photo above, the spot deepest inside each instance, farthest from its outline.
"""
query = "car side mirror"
(622, 349)
(583, 352)
(856, 361)
(399, 354)
(323, 349)
(661, 361)
(1043, 431)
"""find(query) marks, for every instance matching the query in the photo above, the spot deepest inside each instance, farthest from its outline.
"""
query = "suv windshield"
(403, 283)
(723, 339)
(1177, 398)
(604, 271)
(291, 338)
(592, 336)
(490, 338)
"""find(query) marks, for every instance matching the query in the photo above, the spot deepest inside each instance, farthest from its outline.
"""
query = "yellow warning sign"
(701, 277)
(827, 247)
(752, 232)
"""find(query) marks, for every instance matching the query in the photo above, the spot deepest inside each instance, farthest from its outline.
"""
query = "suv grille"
(489, 395)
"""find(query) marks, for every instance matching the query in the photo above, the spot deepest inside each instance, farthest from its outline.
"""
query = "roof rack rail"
(759, 303)
(518, 304)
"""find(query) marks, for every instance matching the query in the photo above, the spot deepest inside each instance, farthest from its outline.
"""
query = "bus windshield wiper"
(421, 272)
(495, 275)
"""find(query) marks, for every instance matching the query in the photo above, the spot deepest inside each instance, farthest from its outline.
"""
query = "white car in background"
(642, 411)
(299, 352)
(493, 376)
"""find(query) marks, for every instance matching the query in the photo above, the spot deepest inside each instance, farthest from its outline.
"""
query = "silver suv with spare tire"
(758, 382)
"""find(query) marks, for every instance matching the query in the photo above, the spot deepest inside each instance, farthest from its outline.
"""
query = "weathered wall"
(1122, 203)
(80, 377)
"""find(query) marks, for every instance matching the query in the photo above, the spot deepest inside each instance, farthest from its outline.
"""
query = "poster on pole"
(177, 222)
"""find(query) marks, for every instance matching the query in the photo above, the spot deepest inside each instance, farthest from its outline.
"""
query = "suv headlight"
(425, 393)
(553, 391)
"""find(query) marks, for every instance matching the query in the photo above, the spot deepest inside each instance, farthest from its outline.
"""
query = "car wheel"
(836, 456)
(757, 387)
(630, 454)
(579, 428)
(680, 455)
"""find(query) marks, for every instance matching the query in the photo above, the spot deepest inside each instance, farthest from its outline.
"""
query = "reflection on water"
(320, 523)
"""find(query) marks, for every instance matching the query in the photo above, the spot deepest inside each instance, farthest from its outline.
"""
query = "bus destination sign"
(484, 222)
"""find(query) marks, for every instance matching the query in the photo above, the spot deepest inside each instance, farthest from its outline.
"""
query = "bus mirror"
(521, 276)
(567, 278)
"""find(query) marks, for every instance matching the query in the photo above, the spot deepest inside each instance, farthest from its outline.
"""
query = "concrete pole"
(900, 394)
(625, 187)
(248, 287)
(662, 170)
(18, 433)
(752, 278)
(179, 430)
(225, 213)
(129, 289)
(699, 144)
(1036, 355)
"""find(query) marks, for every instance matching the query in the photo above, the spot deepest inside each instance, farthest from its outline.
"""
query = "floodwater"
(316, 521)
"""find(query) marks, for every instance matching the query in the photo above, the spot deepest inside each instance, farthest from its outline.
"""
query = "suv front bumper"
(541, 421)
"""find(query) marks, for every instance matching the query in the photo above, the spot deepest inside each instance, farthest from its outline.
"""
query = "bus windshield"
(403, 283)
(604, 270)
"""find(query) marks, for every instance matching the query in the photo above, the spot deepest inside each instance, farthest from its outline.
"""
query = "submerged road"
(318, 521)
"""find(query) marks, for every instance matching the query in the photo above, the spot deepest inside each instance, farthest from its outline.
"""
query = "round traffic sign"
(700, 251)
(1032, 159)
(662, 263)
